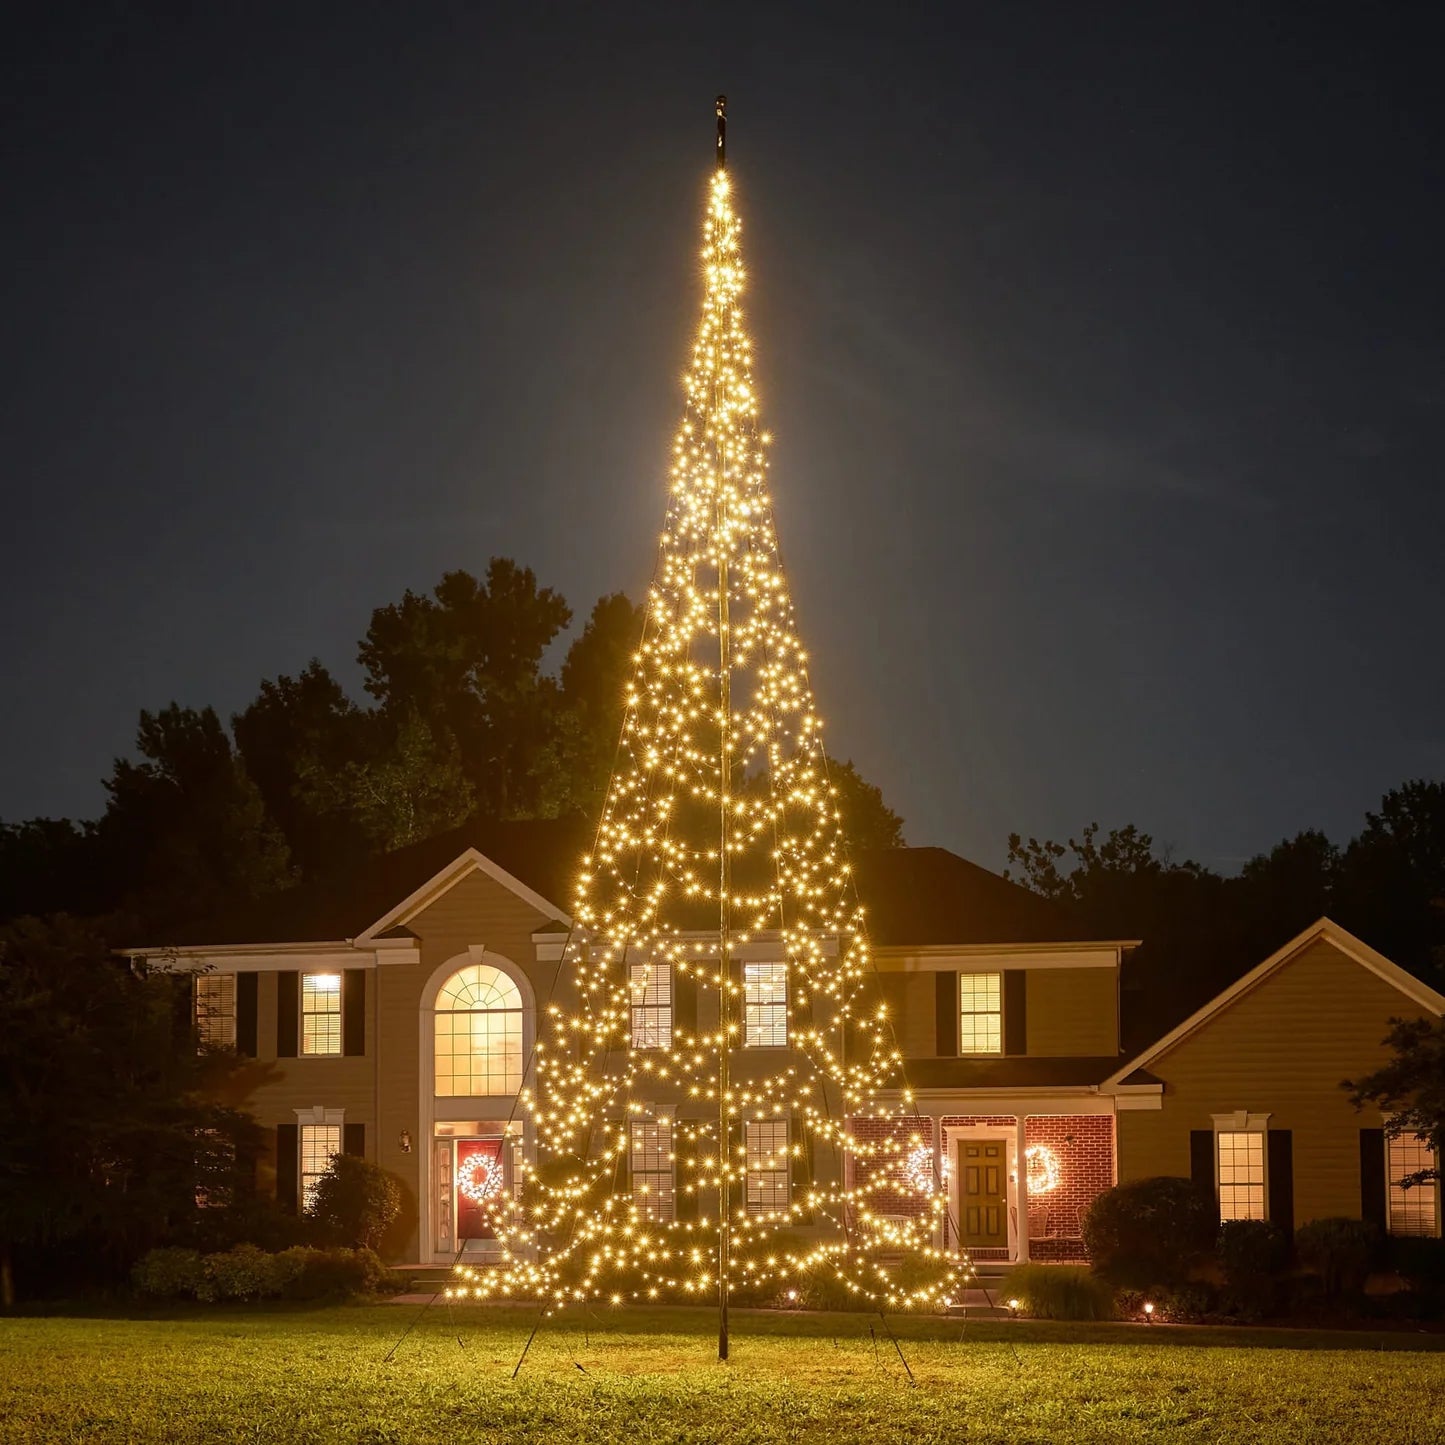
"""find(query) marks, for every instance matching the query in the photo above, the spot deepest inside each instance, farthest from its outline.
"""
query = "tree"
(1410, 1089)
(49, 864)
(868, 820)
(106, 1129)
(356, 1201)
(185, 832)
(467, 661)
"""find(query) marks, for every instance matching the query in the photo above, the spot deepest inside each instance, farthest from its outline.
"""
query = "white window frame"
(215, 1018)
(1241, 1122)
(312, 1121)
(766, 1164)
(765, 1006)
(650, 994)
(968, 1027)
(481, 1045)
(1403, 1207)
(318, 1042)
(652, 1168)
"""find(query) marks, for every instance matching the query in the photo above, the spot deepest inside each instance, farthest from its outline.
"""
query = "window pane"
(651, 1167)
(319, 1142)
(1414, 1210)
(1241, 1175)
(651, 989)
(216, 1009)
(765, 1005)
(980, 1017)
(766, 1144)
(321, 1013)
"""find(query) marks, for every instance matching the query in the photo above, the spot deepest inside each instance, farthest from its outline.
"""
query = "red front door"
(480, 1186)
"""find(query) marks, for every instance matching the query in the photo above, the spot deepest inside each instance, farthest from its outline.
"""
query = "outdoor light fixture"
(1013, 1304)
(1148, 1312)
(404, 1143)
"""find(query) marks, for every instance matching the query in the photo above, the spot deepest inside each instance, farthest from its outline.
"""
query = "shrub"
(1150, 1233)
(1420, 1263)
(242, 1273)
(1059, 1292)
(1184, 1303)
(1340, 1251)
(313, 1274)
(1254, 1255)
(170, 1274)
(356, 1201)
(261, 1222)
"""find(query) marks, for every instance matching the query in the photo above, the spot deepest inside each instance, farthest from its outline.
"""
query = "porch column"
(1021, 1192)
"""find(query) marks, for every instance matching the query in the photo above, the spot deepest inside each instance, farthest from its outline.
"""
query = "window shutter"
(1201, 1159)
(1280, 1143)
(1373, 1193)
(1015, 1011)
(800, 1167)
(800, 1004)
(353, 1139)
(288, 1005)
(353, 1012)
(287, 1180)
(946, 984)
(247, 985)
(684, 1002)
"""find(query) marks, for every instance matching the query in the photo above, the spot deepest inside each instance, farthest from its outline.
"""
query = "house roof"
(914, 897)
(1325, 930)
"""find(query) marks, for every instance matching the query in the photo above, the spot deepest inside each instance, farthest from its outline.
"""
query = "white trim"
(976, 958)
(1129, 1103)
(467, 862)
(278, 957)
(319, 1114)
(1323, 931)
(1241, 1121)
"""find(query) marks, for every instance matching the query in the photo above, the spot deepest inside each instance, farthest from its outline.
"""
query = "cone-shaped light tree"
(698, 1082)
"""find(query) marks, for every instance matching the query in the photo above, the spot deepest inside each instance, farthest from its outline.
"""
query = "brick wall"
(895, 1138)
(1083, 1146)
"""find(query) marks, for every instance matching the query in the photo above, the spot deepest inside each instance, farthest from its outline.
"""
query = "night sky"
(1101, 343)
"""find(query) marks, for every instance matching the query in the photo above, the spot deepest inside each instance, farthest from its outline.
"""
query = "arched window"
(479, 1033)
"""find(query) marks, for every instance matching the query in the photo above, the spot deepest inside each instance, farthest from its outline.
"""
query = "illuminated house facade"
(395, 1018)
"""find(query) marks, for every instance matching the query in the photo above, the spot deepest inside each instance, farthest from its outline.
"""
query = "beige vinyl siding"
(912, 1000)
(1281, 1049)
(1072, 1012)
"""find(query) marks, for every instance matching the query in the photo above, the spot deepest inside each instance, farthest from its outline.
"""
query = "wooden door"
(983, 1193)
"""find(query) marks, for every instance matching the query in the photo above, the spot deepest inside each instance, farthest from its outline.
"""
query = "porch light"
(1149, 1312)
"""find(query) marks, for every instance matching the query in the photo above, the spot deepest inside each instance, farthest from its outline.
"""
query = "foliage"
(1339, 1251)
(1150, 1232)
(303, 1273)
(1184, 1304)
(1409, 1089)
(170, 1273)
(1421, 1264)
(1059, 1292)
(356, 1201)
(106, 1131)
(241, 1273)
(1254, 1256)
(869, 821)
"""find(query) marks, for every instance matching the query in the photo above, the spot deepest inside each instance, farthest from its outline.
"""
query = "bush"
(1184, 1304)
(1340, 1251)
(170, 1274)
(1059, 1292)
(242, 1273)
(315, 1274)
(1421, 1264)
(1254, 1256)
(1150, 1233)
(355, 1201)
(261, 1222)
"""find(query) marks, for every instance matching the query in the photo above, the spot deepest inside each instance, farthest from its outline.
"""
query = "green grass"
(652, 1376)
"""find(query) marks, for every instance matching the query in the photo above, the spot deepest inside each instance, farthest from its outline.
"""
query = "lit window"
(479, 1034)
(766, 1144)
(1241, 1174)
(980, 1016)
(765, 1005)
(649, 1161)
(320, 1013)
(216, 1010)
(651, 987)
(320, 1143)
(1413, 1210)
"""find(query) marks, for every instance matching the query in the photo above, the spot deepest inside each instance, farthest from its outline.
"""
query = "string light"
(721, 850)
(1042, 1167)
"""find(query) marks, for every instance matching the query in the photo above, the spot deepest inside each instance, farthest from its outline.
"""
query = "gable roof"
(1327, 931)
(914, 897)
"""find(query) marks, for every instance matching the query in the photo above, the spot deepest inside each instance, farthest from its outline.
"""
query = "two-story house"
(395, 1017)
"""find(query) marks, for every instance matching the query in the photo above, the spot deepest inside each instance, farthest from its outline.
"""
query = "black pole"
(722, 130)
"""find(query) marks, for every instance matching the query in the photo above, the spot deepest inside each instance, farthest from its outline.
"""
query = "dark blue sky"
(1101, 345)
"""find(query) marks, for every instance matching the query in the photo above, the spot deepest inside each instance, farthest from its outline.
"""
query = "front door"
(470, 1182)
(983, 1193)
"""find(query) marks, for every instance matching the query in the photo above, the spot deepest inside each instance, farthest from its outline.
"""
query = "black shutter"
(287, 1182)
(946, 1019)
(353, 1139)
(353, 1012)
(288, 1005)
(1015, 1011)
(247, 988)
(684, 1002)
(1373, 1190)
(800, 1003)
(684, 1172)
(800, 1174)
(1201, 1158)
(1281, 1179)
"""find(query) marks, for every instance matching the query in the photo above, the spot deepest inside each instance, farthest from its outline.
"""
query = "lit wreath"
(480, 1177)
(1043, 1168)
(918, 1169)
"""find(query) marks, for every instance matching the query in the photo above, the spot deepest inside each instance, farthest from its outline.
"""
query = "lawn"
(651, 1375)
